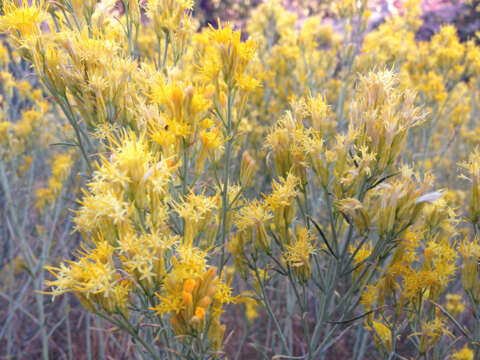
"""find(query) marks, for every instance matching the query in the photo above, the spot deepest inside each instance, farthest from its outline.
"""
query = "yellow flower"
(211, 144)
(251, 221)
(44, 196)
(194, 296)
(62, 164)
(382, 336)
(354, 209)
(4, 127)
(318, 110)
(167, 15)
(362, 253)
(382, 128)
(470, 251)
(283, 193)
(455, 304)
(248, 167)
(92, 278)
(369, 297)
(297, 254)
(473, 175)
(227, 57)
(464, 354)
(103, 211)
(281, 201)
(197, 211)
(431, 333)
(24, 19)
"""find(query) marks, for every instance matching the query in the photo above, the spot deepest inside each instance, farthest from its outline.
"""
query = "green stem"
(87, 337)
(185, 169)
(125, 325)
(226, 176)
(270, 312)
(302, 302)
(69, 330)
(165, 51)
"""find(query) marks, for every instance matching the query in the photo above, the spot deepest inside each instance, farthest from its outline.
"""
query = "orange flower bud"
(189, 285)
(205, 301)
(187, 298)
(200, 312)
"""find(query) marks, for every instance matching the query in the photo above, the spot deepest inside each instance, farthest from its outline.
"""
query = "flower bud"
(205, 302)
(200, 312)
(189, 285)
(247, 169)
(187, 298)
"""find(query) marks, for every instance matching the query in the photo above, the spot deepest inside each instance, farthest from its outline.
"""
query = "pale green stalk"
(270, 312)
(226, 177)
